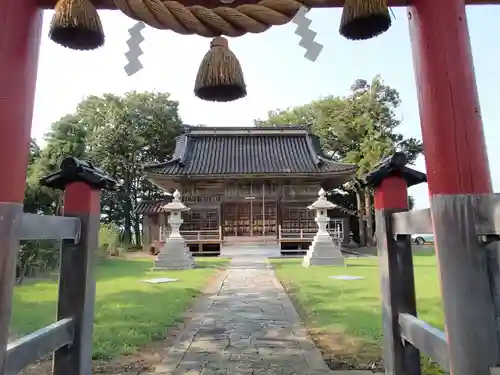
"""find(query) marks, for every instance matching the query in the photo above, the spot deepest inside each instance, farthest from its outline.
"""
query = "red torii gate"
(451, 123)
(447, 93)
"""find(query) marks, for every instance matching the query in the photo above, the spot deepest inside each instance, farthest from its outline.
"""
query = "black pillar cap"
(394, 165)
(74, 170)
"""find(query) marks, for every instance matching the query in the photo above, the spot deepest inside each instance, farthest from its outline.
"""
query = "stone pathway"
(249, 327)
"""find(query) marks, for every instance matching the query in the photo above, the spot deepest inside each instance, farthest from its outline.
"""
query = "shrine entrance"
(250, 218)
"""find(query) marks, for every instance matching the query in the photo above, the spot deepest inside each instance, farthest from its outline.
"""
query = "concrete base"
(174, 255)
(248, 249)
(324, 251)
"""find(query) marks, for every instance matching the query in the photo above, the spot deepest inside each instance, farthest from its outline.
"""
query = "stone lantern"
(174, 255)
(324, 250)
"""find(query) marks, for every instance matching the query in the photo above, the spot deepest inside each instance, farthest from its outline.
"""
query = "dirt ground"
(340, 351)
(343, 353)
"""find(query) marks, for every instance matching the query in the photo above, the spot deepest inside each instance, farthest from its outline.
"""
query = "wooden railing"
(305, 234)
(201, 235)
(431, 341)
(398, 294)
(405, 335)
(193, 235)
(30, 348)
(70, 337)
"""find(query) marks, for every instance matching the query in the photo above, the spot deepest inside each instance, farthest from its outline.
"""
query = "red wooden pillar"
(458, 174)
(396, 275)
(20, 27)
(20, 30)
(77, 281)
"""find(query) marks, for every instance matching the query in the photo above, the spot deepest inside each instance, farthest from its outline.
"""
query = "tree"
(40, 255)
(37, 199)
(134, 130)
(67, 137)
(119, 134)
(360, 128)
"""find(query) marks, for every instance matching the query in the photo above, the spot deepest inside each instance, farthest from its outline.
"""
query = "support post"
(21, 24)
(396, 275)
(81, 183)
(77, 280)
(390, 181)
(458, 174)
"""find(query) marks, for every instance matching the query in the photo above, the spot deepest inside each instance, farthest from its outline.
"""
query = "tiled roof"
(233, 151)
(150, 206)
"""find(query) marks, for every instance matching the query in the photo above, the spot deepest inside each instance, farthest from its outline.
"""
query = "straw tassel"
(220, 78)
(76, 25)
(364, 19)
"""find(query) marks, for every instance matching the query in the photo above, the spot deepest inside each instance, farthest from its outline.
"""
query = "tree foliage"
(119, 134)
(360, 128)
(129, 132)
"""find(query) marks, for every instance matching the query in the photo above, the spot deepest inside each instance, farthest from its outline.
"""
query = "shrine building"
(245, 185)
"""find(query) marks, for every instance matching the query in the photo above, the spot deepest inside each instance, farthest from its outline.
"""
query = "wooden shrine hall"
(245, 185)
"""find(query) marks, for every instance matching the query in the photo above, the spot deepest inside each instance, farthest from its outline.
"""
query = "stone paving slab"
(248, 327)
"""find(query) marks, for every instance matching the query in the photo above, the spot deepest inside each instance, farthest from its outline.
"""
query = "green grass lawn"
(344, 316)
(128, 312)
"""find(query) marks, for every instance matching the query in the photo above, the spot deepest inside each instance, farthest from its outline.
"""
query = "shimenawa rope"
(197, 19)
(76, 24)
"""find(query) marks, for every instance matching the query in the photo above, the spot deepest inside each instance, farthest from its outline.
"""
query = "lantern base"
(174, 255)
(324, 251)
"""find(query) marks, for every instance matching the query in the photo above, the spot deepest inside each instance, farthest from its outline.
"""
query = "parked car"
(422, 239)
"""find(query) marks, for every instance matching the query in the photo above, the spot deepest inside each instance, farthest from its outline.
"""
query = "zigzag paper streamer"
(134, 49)
(313, 48)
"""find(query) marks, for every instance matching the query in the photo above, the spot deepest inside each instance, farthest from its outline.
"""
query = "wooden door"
(263, 218)
(230, 219)
(270, 223)
(257, 219)
(236, 219)
(244, 213)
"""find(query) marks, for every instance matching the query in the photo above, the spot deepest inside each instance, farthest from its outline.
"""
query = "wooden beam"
(32, 347)
(398, 295)
(109, 4)
(47, 227)
(431, 341)
(77, 281)
(396, 277)
(467, 286)
(412, 222)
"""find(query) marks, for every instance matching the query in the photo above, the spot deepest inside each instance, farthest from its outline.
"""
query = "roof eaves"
(249, 130)
(346, 166)
(312, 150)
(256, 175)
(149, 167)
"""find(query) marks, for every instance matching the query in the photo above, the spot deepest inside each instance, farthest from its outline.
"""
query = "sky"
(276, 73)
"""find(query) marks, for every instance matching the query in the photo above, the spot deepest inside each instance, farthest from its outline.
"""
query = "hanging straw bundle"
(76, 25)
(220, 78)
(364, 19)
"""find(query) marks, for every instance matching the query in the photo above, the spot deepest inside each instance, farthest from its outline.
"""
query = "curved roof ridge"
(248, 130)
